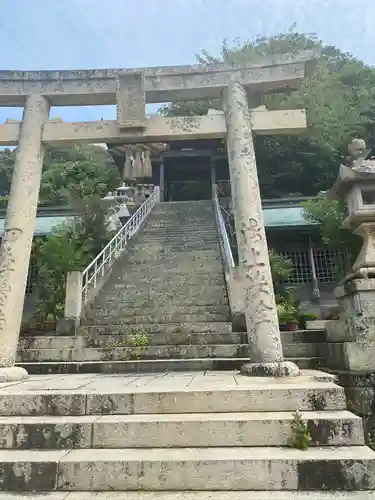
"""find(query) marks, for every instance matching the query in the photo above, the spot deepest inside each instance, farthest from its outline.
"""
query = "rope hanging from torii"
(137, 165)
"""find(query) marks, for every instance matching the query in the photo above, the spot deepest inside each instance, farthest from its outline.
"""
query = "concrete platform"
(195, 495)
(171, 392)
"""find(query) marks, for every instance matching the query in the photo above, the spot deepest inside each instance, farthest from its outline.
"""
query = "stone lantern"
(351, 339)
(121, 199)
(356, 184)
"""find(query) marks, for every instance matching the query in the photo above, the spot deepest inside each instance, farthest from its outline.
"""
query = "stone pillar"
(213, 171)
(315, 282)
(161, 183)
(18, 232)
(73, 296)
(266, 354)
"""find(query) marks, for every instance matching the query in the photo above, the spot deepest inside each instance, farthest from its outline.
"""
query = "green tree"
(340, 101)
(71, 246)
(88, 169)
(330, 215)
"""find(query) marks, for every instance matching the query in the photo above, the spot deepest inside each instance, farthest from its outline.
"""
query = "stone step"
(179, 248)
(124, 311)
(195, 232)
(188, 220)
(173, 339)
(185, 469)
(154, 272)
(185, 265)
(301, 349)
(317, 336)
(217, 327)
(155, 339)
(208, 229)
(178, 281)
(196, 235)
(164, 244)
(182, 285)
(162, 393)
(166, 241)
(186, 208)
(97, 319)
(172, 262)
(164, 301)
(175, 264)
(195, 495)
(57, 342)
(223, 429)
(201, 230)
(327, 428)
(152, 366)
(196, 296)
(164, 257)
(178, 267)
(119, 352)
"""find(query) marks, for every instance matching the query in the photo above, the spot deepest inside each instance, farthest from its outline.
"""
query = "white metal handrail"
(224, 239)
(102, 263)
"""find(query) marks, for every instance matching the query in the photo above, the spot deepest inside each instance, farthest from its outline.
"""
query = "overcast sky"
(70, 34)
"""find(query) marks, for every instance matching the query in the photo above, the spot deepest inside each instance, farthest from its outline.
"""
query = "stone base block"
(360, 396)
(353, 356)
(351, 329)
(277, 369)
(338, 331)
(360, 400)
(66, 326)
(12, 374)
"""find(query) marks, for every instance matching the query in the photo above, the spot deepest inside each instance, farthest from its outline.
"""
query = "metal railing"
(103, 262)
(223, 235)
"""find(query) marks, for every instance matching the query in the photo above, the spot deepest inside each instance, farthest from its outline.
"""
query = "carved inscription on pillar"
(258, 275)
(130, 100)
(7, 268)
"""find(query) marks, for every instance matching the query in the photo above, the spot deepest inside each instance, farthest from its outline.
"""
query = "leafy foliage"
(281, 267)
(340, 101)
(87, 169)
(70, 247)
(300, 435)
(287, 312)
(330, 215)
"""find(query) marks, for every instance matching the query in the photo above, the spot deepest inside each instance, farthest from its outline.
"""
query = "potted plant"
(287, 314)
(304, 318)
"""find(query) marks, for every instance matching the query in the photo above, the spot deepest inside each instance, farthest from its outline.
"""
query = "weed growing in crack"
(300, 438)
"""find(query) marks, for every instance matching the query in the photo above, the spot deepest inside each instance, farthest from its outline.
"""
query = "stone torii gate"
(130, 90)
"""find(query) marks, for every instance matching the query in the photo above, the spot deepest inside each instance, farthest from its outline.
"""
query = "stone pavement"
(139, 382)
(191, 495)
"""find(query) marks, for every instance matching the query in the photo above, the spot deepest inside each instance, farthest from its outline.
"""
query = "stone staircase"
(165, 307)
(180, 435)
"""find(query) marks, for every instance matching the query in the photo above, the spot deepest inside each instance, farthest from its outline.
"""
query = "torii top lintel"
(157, 84)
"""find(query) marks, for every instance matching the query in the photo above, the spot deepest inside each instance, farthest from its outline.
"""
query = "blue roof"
(284, 217)
(273, 217)
(44, 225)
